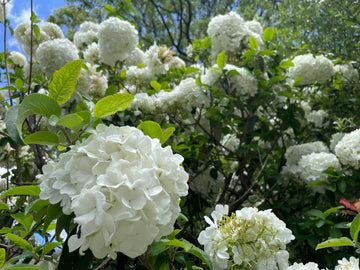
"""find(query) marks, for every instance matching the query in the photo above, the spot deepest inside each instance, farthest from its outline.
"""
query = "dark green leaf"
(49, 247)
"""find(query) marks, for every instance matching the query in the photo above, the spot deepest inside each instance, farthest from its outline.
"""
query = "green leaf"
(2, 257)
(167, 134)
(53, 212)
(31, 190)
(155, 85)
(43, 138)
(71, 121)
(49, 247)
(221, 59)
(19, 83)
(20, 242)
(286, 64)
(112, 104)
(25, 220)
(297, 81)
(336, 242)
(331, 210)
(266, 52)
(112, 89)
(63, 84)
(286, 94)
(355, 228)
(151, 129)
(108, 8)
(269, 34)
(23, 267)
(201, 255)
(10, 121)
(3, 206)
(36, 206)
(253, 43)
(36, 104)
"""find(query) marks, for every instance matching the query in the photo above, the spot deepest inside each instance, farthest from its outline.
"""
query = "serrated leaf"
(336, 242)
(221, 59)
(63, 84)
(355, 228)
(35, 104)
(20, 242)
(3, 206)
(155, 85)
(253, 43)
(43, 138)
(71, 121)
(112, 104)
(49, 247)
(167, 134)
(2, 257)
(151, 128)
(31, 190)
(269, 34)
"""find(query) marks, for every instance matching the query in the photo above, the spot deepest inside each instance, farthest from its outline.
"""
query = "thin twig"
(103, 264)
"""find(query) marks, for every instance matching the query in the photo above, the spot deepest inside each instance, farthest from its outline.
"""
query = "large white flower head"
(91, 54)
(211, 75)
(301, 266)
(227, 32)
(348, 72)
(91, 82)
(231, 142)
(137, 57)
(52, 30)
(87, 34)
(123, 188)
(311, 69)
(117, 39)
(312, 166)
(344, 264)
(157, 59)
(243, 83)
(348, 149)
(250, 238)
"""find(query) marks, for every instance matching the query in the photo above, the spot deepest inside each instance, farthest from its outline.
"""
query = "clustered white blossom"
(231, 142)
(348, 149)
(301, 266)
(313, 116)
(91, 82)
(229, 32)
(348, 72)
(91, 54)
(249, 238)
(117, 39)
(123, 188)
(54, 54)
(311, 69)
(87, 34)
(243, 82)
(184, 96)
(17, 59)
(344, 264)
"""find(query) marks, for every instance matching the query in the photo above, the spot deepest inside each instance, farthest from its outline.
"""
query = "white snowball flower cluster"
(137, 57)
(301, 266)
(312, 166)
(348, 149)
(311, 69)
(117, 39)
(91, 82)
(294, 154)
(123, 188)
(335, 138)
(344, 264)
(157, 58)
(48, 31)
(249, 238)
(17, 59)
(229, 32)
(231, 142)
(313, 116)
(348, 72)
(87, 34)
(54, 54)
(211, 76)
(184, 96)
(8, 6)
(243, 83)
(91, 54)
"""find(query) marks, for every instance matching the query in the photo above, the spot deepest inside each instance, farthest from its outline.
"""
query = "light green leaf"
(36, 206)
(63, 84)
(155, 85)
(286, 64)
(266, 52)
(151, 129)
(36, 104)
(19, 83)
(25, 220)
(49, 247)
(3, 206)
(43, 138)
(31, 190)
(23, 267)
(269, 34)
(221, 59)
(331, 210)
(336, 242)
(2, 257)
(253, 43)
(20, 242)
(112, 104)
(167, 134)
(355, 228)
(71, 121)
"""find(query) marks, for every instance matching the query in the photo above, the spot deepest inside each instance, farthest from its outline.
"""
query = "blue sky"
(20, 12)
